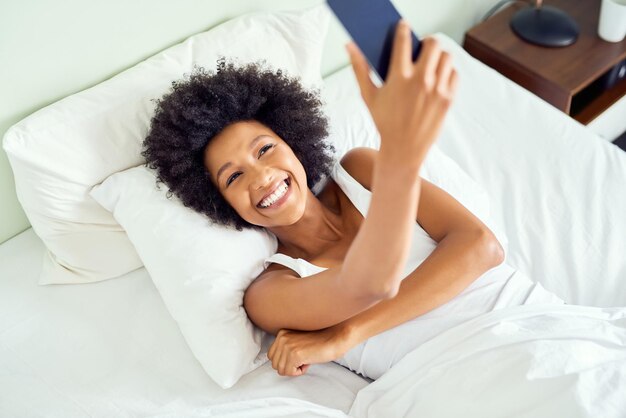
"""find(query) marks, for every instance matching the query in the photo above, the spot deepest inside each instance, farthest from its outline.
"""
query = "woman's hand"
(292, 352)
(410, 107)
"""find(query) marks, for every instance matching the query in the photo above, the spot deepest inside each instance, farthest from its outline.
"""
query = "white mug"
(612, 25)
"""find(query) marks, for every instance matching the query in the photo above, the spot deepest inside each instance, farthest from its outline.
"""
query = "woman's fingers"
(280, 355)
(274, 358)
(361, 71)
(270, 352)
(400, 61)
(444, 70)
(282, 359)
(281, 364)
(408, 110)
(287, 365)
(427, 62)
(453, 82)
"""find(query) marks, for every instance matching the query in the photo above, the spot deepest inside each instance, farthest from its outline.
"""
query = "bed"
(112, 348)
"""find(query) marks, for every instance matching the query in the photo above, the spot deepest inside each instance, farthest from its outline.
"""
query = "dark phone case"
(372, 25)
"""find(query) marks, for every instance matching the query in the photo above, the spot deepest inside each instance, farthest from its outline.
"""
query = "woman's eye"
(265, 148)
(231, 178)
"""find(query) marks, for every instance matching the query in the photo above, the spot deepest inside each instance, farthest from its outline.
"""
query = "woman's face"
(258, 174)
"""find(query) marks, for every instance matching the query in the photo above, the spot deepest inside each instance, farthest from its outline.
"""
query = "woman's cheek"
(245, 210)
(234, 203)
(239, 206)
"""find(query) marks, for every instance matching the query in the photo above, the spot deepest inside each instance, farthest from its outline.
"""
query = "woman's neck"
(319, 227)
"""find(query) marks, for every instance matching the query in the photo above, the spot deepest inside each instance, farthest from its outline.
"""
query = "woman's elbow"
(368, 287)
(377, 295)
(492, 250)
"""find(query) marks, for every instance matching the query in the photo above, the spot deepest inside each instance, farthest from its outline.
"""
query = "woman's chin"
(283, 219)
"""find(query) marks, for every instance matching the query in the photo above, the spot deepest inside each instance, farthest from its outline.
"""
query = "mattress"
(111, 349)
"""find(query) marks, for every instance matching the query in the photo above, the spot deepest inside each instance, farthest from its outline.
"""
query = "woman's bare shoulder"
(359, 163)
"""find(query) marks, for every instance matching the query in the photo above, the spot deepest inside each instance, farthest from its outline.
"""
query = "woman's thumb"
(361, 71)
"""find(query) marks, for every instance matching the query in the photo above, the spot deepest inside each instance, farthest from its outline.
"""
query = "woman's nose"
(261, 178)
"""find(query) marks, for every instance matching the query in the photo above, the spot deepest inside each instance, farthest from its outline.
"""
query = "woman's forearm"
(380, 248)
(458, 260)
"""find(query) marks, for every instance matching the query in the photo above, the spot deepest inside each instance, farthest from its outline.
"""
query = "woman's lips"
(276, 187)
(282, 200)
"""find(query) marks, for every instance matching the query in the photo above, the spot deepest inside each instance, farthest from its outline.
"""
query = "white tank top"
(497, 288)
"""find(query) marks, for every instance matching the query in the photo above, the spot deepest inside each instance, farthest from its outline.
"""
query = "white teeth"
(270, 200)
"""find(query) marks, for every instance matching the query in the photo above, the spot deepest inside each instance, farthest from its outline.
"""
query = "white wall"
(50, 49)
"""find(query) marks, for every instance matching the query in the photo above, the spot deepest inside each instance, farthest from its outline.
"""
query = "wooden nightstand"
(570, 77)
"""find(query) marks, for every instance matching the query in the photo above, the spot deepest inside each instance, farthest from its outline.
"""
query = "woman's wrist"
(399, 159)
(347, 335)
(396, 172)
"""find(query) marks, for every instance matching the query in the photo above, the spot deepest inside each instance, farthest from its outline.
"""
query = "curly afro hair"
(202, 104)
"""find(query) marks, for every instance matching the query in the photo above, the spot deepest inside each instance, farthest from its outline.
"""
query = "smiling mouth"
(276, 196)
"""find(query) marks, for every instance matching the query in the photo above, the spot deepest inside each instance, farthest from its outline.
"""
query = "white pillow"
(61, 151)
(202, 270)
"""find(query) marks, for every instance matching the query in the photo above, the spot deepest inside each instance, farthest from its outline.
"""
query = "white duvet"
(523, 361)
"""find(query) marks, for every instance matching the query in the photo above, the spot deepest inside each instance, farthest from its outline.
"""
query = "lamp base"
(545, 26)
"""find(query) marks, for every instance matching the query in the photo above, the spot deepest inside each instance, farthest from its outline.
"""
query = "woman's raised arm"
(408, 111)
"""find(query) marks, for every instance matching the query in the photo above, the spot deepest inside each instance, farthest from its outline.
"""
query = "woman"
(245, 147)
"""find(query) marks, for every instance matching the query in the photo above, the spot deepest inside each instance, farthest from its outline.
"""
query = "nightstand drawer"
(612, 122)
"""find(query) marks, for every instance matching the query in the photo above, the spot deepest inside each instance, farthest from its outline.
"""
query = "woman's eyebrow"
(228, 164)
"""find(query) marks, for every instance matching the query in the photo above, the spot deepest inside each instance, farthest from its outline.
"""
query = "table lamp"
(545, 26)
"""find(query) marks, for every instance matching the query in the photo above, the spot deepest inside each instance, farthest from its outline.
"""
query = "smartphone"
(372, 26)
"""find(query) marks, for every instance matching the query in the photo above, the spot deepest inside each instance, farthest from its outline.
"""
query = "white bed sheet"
(557, 188)
(111, 349)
